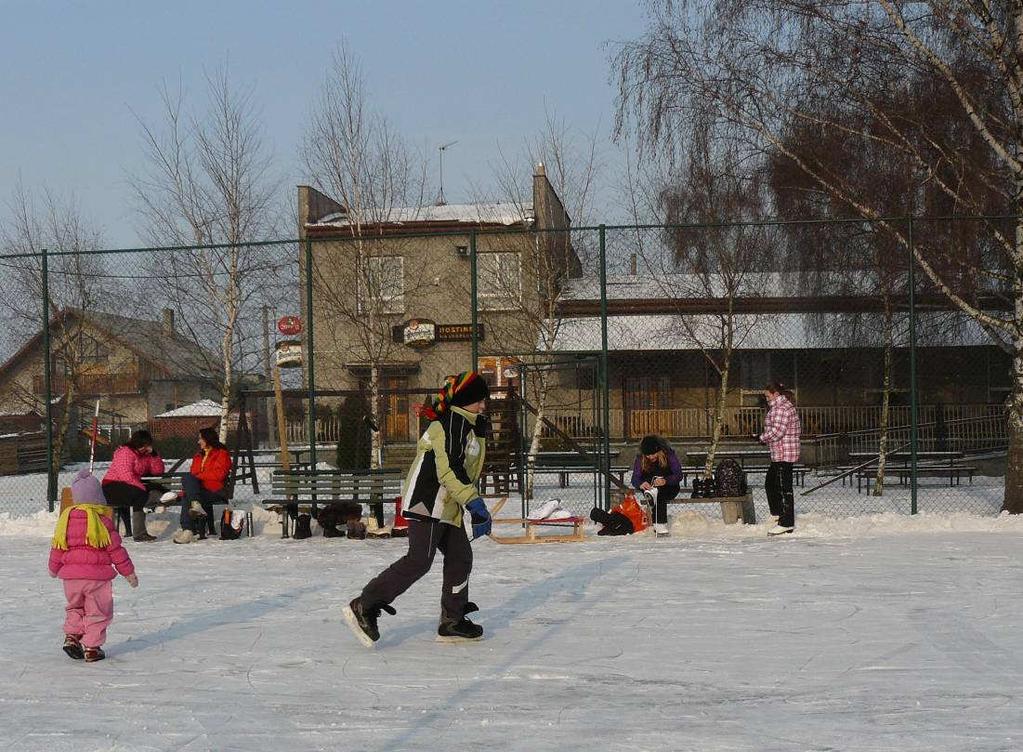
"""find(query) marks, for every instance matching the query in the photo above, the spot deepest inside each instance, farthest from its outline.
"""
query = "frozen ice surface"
(883, 632)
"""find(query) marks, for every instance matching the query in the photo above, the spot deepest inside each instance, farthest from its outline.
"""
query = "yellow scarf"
(96, 534)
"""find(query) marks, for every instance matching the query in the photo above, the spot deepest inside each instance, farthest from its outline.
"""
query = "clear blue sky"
(72, 72)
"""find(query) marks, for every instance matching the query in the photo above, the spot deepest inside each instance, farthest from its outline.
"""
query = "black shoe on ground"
(73, 647)
(459, 631)
(362, 620)
(94, 654)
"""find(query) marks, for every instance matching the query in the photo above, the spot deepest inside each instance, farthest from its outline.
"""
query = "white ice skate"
(780, 530)
(661, 530)
(546, 509)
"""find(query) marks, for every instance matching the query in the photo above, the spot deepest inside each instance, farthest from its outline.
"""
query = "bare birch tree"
(76, 284)
(765, 66)
(209, 181)
(352, 153)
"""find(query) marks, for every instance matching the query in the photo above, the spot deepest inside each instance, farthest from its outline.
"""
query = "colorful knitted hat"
(464, 389)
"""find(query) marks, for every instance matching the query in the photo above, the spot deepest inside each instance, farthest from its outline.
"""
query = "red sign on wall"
(289, 325)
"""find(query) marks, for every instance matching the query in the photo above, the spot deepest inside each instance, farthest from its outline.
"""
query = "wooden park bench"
(954, 473)
(297, 490)
(733, 508)
(172, 482)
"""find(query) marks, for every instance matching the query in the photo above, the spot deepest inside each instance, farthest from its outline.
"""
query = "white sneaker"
(660, 529)
(544, 511)
(780, 530)
(168, 497)
(183, 536)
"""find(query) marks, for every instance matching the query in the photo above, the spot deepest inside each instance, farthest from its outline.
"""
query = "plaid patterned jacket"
(781, 430)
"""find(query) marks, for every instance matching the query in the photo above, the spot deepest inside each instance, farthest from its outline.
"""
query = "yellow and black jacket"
(449, 459)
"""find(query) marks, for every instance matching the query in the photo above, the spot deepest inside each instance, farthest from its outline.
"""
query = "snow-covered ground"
(882, 632)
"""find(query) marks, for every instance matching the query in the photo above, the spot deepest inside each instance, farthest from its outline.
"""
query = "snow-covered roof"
(494, 213)
(752, 284)
(204, 408)
(776, 331)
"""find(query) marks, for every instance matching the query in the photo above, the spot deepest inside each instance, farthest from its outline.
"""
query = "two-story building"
(392, 297)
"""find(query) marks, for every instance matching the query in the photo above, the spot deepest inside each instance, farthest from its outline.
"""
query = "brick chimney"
(168, 321)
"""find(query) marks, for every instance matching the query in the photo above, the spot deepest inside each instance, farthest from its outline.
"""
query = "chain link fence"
(591, 339)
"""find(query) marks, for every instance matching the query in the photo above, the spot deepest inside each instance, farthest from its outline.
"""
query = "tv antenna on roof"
(440, 151)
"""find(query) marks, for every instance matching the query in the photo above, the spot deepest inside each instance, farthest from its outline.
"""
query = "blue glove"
(481, 522)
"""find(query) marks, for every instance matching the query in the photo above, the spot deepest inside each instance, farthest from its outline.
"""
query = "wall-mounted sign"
(289, 325)
(423, 332)
(458, 332)
(289, 353)
(416, 333)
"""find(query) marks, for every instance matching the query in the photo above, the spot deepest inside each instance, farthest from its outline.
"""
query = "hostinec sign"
(421, 333)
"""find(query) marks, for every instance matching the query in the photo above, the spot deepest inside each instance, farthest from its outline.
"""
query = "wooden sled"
(531, 535)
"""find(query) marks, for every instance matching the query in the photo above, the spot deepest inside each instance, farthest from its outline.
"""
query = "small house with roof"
(137, 368)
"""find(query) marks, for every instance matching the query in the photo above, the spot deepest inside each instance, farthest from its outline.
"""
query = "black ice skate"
(362, 620)
(460, 630)
(73, 647)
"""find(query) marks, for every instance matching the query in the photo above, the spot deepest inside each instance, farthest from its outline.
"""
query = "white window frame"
(374, 266)
(502, 296)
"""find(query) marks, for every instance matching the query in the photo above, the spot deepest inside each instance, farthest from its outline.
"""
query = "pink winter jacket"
(128, 466)
(83, 562)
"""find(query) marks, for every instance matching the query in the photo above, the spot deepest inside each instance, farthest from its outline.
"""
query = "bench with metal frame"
(298, 490)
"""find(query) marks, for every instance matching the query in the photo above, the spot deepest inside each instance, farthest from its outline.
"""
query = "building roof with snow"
(506, 214)
(204, 408)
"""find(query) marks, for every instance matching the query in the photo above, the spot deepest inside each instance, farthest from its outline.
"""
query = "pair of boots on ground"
(363, 620)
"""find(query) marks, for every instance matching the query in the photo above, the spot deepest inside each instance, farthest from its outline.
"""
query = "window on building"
(500, 280)
(93, 351)
(384, 285)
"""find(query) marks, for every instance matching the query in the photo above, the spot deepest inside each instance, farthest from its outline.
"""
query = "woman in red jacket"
(203, 486)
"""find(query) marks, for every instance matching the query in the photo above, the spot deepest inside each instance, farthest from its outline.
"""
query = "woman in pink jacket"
(123, 486)
(86, 550)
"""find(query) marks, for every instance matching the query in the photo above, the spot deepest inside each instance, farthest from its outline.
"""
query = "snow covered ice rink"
(869, 633)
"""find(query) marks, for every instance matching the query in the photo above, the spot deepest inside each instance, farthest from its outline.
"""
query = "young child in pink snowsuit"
(85, 552)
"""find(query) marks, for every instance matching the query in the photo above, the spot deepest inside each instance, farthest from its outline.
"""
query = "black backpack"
(730, 479)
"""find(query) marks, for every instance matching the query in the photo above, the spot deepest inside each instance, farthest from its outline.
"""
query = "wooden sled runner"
(531, 536)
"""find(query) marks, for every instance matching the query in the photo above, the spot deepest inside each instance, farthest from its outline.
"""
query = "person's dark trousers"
(778, 485)
(124, 497)
(425, 538)
(614, 523)
(192, 488)
(664, 495)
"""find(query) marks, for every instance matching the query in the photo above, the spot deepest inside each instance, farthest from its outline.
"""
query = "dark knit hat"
(650, 445)
(469, 387)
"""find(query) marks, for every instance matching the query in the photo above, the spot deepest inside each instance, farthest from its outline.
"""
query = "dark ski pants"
(128, 502)
(664, 495)
(192, 488)
(425, 538)
(778, 485)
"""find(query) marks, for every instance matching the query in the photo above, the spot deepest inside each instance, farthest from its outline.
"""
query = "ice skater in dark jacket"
(657, 467)
(440, 487)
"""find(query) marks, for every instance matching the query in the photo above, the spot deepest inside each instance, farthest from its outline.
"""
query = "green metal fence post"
(913, 407)
(51, 475)
(310, 353)
(473, 300)
(604, 389)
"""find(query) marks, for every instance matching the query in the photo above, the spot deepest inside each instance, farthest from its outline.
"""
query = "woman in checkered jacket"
(781, 434)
